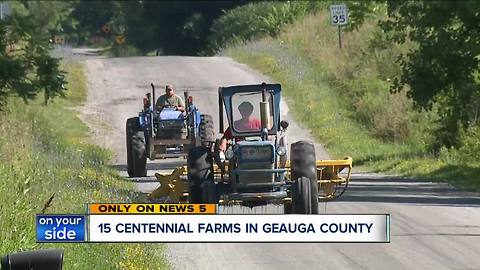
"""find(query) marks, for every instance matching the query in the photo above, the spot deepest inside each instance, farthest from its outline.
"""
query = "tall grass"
(44, 153)
(343, 97)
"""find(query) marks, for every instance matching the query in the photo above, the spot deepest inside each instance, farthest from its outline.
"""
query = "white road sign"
(338, 15)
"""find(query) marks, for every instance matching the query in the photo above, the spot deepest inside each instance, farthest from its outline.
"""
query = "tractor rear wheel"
(136, 149)
(304, 175)
(206, 130)
(200, 171)
(287, 208)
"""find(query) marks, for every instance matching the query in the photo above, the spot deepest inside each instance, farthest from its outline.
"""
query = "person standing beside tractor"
(170, 99)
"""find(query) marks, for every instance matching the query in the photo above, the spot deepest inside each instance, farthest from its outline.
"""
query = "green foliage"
(360, 73)
(193, 27)
(41, 156)
(50, 77)
(360, 11)
(91, 17)
(48, 16)
(178, 27)
(470, 144)
(343, 97)
(26, 67)
(256, 20)
(442, 68)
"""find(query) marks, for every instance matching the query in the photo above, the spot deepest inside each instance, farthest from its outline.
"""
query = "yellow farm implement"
(333, 177)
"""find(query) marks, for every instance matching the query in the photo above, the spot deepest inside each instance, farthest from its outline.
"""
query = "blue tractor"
(253, 170)
(164, 134)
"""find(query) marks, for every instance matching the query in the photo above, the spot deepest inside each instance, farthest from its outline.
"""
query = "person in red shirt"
(245, 124)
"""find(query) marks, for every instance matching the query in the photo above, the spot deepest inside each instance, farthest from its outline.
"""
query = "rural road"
(434, 226)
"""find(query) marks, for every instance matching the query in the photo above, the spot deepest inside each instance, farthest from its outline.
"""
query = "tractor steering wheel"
(169, 106)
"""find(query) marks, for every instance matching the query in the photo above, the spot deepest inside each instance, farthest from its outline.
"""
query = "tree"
(26, 67)
(178, 27)
(91, 17)
(443, 68)
(50, 16)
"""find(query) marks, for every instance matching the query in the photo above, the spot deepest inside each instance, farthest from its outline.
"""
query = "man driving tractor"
(170, 99)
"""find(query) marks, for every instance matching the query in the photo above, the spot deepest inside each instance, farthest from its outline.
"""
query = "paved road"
(433, 225)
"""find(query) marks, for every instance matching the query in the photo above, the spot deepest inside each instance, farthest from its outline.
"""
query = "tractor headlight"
(229, 153)
(281, 151)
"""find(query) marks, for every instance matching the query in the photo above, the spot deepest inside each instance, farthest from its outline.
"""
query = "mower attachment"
(330, 179)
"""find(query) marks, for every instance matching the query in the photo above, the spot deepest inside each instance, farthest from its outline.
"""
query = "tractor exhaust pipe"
(153, 97)
(265, 115)
(265, 109)
(186, 95)
(220, 111)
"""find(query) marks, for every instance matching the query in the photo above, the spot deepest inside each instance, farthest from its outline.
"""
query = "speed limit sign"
(338, 15)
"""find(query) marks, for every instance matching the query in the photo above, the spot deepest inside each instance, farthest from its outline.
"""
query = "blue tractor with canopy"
(163, 134)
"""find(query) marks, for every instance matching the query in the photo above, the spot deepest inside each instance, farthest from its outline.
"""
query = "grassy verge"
(43, 151)
(342, 97)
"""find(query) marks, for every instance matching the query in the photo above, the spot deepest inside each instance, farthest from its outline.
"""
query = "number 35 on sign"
(338, 15)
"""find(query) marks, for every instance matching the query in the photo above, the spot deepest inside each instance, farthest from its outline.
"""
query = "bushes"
(386, 116)
(256, 20)
(468, 151)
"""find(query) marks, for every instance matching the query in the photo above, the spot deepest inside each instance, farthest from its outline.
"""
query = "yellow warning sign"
(106, 28)
(59, 39)
(120, 40)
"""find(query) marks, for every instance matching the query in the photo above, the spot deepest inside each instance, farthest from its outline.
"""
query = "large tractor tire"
(305, 199)
(136, 149)
(209, 192)
(287, 208)
(199, 162)
(304, 175)
(206, 130)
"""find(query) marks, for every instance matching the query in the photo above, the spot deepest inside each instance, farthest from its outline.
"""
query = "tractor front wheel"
(209, 192)
(304, 177)
(200, 171)
(304, 197)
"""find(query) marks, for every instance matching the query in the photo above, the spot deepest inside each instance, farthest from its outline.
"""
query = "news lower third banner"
(200, 223)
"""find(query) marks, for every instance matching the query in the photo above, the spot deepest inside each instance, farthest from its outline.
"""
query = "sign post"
(339, 37)
(1, 11)
(339, 17)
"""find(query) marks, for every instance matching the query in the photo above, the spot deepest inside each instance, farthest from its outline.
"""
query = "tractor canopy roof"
(242, 108)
